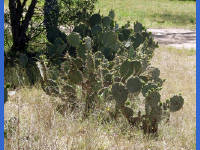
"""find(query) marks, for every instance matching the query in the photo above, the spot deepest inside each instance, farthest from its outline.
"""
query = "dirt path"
(178, 38)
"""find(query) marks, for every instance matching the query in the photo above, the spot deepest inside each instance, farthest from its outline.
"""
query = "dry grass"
(42, 128)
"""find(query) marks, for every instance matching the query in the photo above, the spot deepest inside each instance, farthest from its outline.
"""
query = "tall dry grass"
(40, 127)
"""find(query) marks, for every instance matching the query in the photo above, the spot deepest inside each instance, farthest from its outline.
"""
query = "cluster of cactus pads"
(113, 63)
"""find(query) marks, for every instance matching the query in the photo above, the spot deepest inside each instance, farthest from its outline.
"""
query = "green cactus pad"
(137, 66)
(110, 40)
(137, 40)
(75, 76)
(148, 87)
(153, 99)
(134, 85)
(176, 103)
(138, 27)
(95, 19)
(74, 39)
(124, 34)
(120, 93)
(96, 29)
(153, 72)
(126, 69)
(112, 14)
(106, 21)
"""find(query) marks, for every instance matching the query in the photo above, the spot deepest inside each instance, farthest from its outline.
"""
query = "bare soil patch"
(178, 38)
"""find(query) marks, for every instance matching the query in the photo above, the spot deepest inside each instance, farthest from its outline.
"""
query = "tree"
(19, 23)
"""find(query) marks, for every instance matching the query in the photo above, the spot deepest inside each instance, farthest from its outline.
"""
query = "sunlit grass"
(152, 13)
(41, 127)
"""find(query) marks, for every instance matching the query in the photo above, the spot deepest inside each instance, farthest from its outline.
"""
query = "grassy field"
(152, 13)
(41, 127)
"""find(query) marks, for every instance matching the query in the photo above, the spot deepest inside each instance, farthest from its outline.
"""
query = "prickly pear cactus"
(111, 63)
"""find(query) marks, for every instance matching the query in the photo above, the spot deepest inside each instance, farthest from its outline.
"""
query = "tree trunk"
(19, 24)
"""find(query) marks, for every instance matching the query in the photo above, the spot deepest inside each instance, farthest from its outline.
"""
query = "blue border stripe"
(198, 75)
(2, 74)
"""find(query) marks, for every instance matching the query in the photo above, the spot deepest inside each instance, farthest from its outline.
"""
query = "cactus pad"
(95, 19)
(153, 99)
(106, 21)
(112, 14)
(156, 114)
(96, 29)
(153, 72)
(137, 67)
(138, 27)
(126, 69)
(75, 76)
(176, 103)
(120, 93)
(148, 87)
(74, 39)
(134, 85)
(110, 40)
